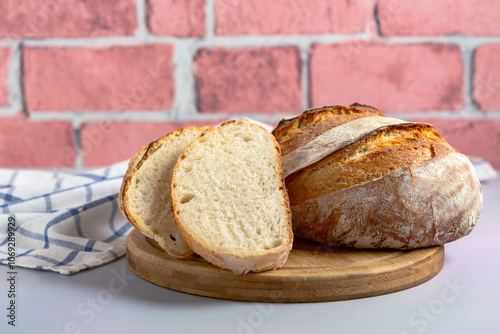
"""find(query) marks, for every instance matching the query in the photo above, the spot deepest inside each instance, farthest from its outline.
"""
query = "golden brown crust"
(429, 204)
(298, 131)
(398, 186)
(379, 153)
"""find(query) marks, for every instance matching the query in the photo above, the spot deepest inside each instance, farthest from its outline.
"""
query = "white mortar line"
(209, 21)
(14, 82)
(79, 161)
(8, 43)
(469, 108)
(142, 36)
(142, 30)
(78, 118)
(164, 116)
(305, 75)
(185, 94)
(449, 115)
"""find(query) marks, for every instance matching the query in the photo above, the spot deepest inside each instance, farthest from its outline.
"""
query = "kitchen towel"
(60, 221)
(68, 222)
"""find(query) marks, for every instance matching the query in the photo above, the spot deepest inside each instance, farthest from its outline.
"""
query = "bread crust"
(266, 260)
(334, 139)
(370, 157)
(429, 204)
(135, 165)
(297, 131)
(134, 161)
(399, 186)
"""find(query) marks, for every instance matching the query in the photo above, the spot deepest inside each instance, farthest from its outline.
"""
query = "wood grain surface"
(313, 273)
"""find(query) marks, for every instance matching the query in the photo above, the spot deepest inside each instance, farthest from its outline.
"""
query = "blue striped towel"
(60, 221)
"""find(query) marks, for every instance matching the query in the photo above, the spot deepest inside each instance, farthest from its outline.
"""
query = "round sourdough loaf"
(357, 178)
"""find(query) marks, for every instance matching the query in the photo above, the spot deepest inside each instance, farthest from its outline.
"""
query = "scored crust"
(383, 151)
(399, 186)
(236, 263)
(297, 131)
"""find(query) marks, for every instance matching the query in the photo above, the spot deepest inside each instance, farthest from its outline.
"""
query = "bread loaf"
(357, 178)
(229, 198)
(145, 193)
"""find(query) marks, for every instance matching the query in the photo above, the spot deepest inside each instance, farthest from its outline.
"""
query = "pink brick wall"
(441, 17)
(291, 17)
(176, 18)
(86, 83)
(394, 78)
(223, 77)
(113, 78)
(4, 67)
(58, 18)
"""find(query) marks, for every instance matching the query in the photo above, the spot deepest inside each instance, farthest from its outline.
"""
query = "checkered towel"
(59, 221)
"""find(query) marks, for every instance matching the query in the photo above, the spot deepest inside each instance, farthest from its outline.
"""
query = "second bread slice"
(230, 201)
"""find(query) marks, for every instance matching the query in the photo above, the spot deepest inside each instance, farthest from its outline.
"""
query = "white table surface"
(463, 298)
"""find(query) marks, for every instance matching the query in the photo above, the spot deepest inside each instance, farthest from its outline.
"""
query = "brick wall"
(86, 83)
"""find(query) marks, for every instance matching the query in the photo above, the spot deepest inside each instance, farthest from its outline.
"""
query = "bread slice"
(229, 198)
(145, 193)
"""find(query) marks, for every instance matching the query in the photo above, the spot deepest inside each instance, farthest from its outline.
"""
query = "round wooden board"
(313, 272)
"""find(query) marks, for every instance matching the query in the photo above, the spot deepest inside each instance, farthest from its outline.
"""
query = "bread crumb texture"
(230, 191)
(148, 193)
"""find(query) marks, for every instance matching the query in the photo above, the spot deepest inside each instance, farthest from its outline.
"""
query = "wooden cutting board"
(313, 273)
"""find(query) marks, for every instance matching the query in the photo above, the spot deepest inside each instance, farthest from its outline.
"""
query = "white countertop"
(463, 298)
